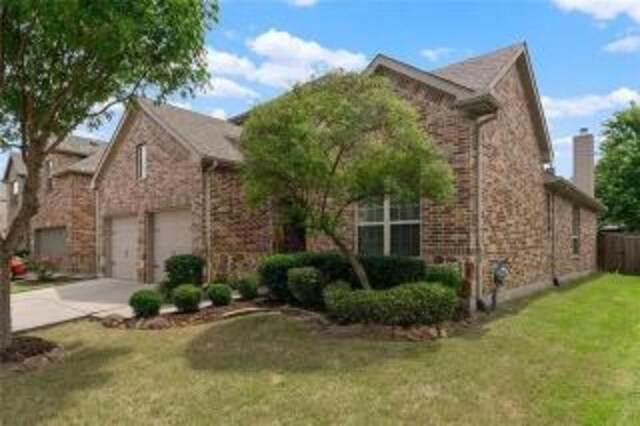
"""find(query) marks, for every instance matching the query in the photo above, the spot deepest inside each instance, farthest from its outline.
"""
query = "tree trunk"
(361, 274)
(5, 301)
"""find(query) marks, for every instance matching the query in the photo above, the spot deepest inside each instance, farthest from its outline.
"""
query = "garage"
(124, 233)
(51, 244)
(171, 235)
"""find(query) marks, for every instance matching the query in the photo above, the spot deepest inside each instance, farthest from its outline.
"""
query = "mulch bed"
(28, 353)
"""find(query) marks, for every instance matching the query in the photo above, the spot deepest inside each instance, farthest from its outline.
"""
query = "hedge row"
(404, 305)
(383, 271)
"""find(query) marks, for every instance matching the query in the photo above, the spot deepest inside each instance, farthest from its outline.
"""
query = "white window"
(141, 161)
(16, 187)
(49, 175)
(388, 226)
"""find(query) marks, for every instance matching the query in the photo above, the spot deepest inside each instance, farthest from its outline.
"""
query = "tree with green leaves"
(618, 171)
(329, 144)
(66, 62)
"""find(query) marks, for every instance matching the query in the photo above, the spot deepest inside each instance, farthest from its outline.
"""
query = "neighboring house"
(169, 184)
(63, 230)
(4, 206)
(13, 180)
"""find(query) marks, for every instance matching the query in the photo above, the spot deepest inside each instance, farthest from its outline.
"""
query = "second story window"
(141, 161)
(15, 187)
(49, 175)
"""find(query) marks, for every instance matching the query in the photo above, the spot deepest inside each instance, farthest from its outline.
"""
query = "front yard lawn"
(569, 356)
(20, 286)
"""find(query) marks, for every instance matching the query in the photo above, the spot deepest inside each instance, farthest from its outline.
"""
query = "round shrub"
(447, 275)
(184, 268)
(272, 271)
(404, 305)
(306, 285)
(186, 297)
(247, 286)
(145, 303)
(219, 294)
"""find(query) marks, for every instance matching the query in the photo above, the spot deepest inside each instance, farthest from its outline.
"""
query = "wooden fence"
(618, 252)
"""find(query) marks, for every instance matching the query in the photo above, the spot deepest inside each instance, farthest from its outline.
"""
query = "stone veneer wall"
(69, 204)
(239, 235)
(174, 181)
(514, 213)
(566, 263)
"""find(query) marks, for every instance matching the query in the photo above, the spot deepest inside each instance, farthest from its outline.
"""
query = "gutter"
(479, 123)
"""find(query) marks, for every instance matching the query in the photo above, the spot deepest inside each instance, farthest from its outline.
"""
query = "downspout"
(206, 188)
(479, 123)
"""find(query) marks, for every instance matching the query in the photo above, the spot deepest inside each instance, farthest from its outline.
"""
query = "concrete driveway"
(99, 297)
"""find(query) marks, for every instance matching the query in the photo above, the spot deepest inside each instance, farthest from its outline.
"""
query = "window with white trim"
(141, 161)
(16, 187)
(575, 231)
(49, 176)
(389, 226)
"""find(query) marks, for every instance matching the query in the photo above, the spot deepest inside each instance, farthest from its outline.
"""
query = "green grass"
(23, 286)
(569, 356)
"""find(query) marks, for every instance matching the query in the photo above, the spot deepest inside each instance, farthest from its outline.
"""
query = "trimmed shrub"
(219, 294)
(404, 305)
(145, 303)
(383, 271)
(186, 297)
(247, 286)
(306, 285)
(184, 268)
(390, 271)
(447, 275)
(273, 274)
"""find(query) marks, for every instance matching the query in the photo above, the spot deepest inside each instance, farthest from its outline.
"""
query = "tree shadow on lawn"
(277, 343)
(35, 397)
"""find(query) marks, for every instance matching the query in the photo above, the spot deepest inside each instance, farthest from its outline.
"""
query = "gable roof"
(78, 145)
(480, 73)
(86, 166)
(15, 161)
(209, 137)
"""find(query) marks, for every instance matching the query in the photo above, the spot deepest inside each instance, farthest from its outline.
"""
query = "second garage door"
(171, 235)
(124, 234)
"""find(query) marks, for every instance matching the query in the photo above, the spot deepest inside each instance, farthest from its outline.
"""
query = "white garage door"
(171, 236)
(124, 234)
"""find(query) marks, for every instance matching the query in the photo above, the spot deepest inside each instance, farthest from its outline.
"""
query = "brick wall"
(70, 203)
(239, 235)
(174, 181)
(566, 262)
(514, 213)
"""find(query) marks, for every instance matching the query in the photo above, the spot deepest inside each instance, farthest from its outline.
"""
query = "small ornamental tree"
(618, 171)
(328, 144)
(66, 62)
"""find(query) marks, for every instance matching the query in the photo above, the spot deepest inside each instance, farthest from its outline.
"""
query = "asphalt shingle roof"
(79, 145)
(479, 72)
(87, 166)
(210, 137)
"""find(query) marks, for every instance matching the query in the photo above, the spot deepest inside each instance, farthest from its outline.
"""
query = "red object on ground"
(18, 267)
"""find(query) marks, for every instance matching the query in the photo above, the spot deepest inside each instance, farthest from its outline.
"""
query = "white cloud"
(436, 54)
(603, 10)
(219, 113)
(180, 104)
(225, 63)
(628, 44)
(589, 104)
(290, 59)
(225, 88)
(302, 3)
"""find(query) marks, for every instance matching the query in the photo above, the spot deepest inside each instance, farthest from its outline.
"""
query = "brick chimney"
(583, 168)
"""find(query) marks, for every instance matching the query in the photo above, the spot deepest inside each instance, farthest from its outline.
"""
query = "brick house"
(63, 230)
(485, 115)
(168, 185)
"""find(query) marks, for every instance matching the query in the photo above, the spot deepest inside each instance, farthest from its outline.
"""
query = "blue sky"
(586, 53)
